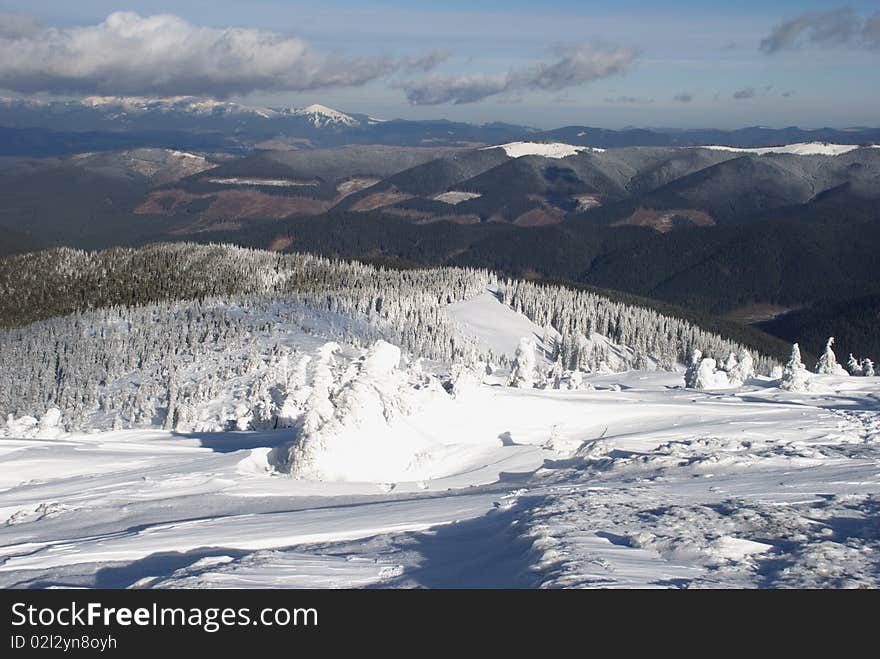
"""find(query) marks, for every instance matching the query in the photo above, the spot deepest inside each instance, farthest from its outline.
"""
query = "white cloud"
(835, 27)
(128, 54)
(575, 66)
(16, 25)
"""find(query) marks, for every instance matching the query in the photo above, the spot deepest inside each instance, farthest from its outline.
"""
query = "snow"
(634, 482)
(456, 197)
(544, 149)
(272, 182)
(800, 149)
(189, 104)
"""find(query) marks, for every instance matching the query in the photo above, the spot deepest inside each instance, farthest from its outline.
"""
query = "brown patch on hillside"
(232, 204)
(469, 218)
(408, 213)
(380, 199)
(758, 312)
(539, 217)
(165, 202)
(280, 243)
(665, 221)
(283, 143)
(236, 204)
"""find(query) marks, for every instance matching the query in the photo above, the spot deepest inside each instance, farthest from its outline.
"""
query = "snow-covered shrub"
(466, 379)
(708, 376)
(795, 376)
(705, 373)
(854, 366)
(558, 377)
(347, 418)
(868, 368)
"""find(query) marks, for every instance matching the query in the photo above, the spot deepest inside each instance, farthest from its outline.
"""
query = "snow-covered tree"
(854, 366)
(795, 376)
(827, 364)
(868, 368)
(690, 375)
(743, 370)
(524, 371)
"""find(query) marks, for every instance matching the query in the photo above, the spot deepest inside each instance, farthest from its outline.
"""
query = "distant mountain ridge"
(242, 126)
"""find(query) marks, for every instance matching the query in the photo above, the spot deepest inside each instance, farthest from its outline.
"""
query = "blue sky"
(627, 63)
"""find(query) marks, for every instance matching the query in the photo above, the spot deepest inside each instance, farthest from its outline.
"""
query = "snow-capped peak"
(321, 116)
(544, 149)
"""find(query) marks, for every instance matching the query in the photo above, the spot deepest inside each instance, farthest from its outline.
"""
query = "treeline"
(578, 314)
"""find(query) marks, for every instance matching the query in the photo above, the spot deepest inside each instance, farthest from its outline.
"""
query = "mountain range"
(778, 227)
(98, 123)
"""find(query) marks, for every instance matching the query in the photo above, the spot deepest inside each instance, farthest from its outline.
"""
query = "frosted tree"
(868, 368)
(795, 376)
(854, 366)
(744, 368)
(827, 364)
(524, 371)
(730, 363)
(690, 375)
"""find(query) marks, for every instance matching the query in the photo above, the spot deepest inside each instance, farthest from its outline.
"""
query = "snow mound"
(800, 149)
(544, 149)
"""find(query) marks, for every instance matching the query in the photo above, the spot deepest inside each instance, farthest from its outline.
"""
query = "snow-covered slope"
(494, 324)
(802, 149)
(642, 487)
(544, 149)
(303, 449)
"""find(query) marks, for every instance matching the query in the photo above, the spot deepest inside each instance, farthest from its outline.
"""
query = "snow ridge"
(544, 149)
(800, 149)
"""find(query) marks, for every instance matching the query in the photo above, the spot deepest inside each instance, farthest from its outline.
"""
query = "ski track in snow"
(654, 486)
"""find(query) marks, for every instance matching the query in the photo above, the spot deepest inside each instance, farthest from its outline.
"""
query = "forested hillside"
(145, 314)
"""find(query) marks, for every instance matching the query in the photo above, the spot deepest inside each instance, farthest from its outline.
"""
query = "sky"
(650, 64)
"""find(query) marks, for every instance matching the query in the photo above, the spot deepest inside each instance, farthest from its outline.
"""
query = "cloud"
(871, 31)
(748, 92)
(575, 66)
(836, 27)
(427, 62)
(128, 54)
(787, 94)
(469, 88)
(13, 26)
(628, 100)
(683, 97)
